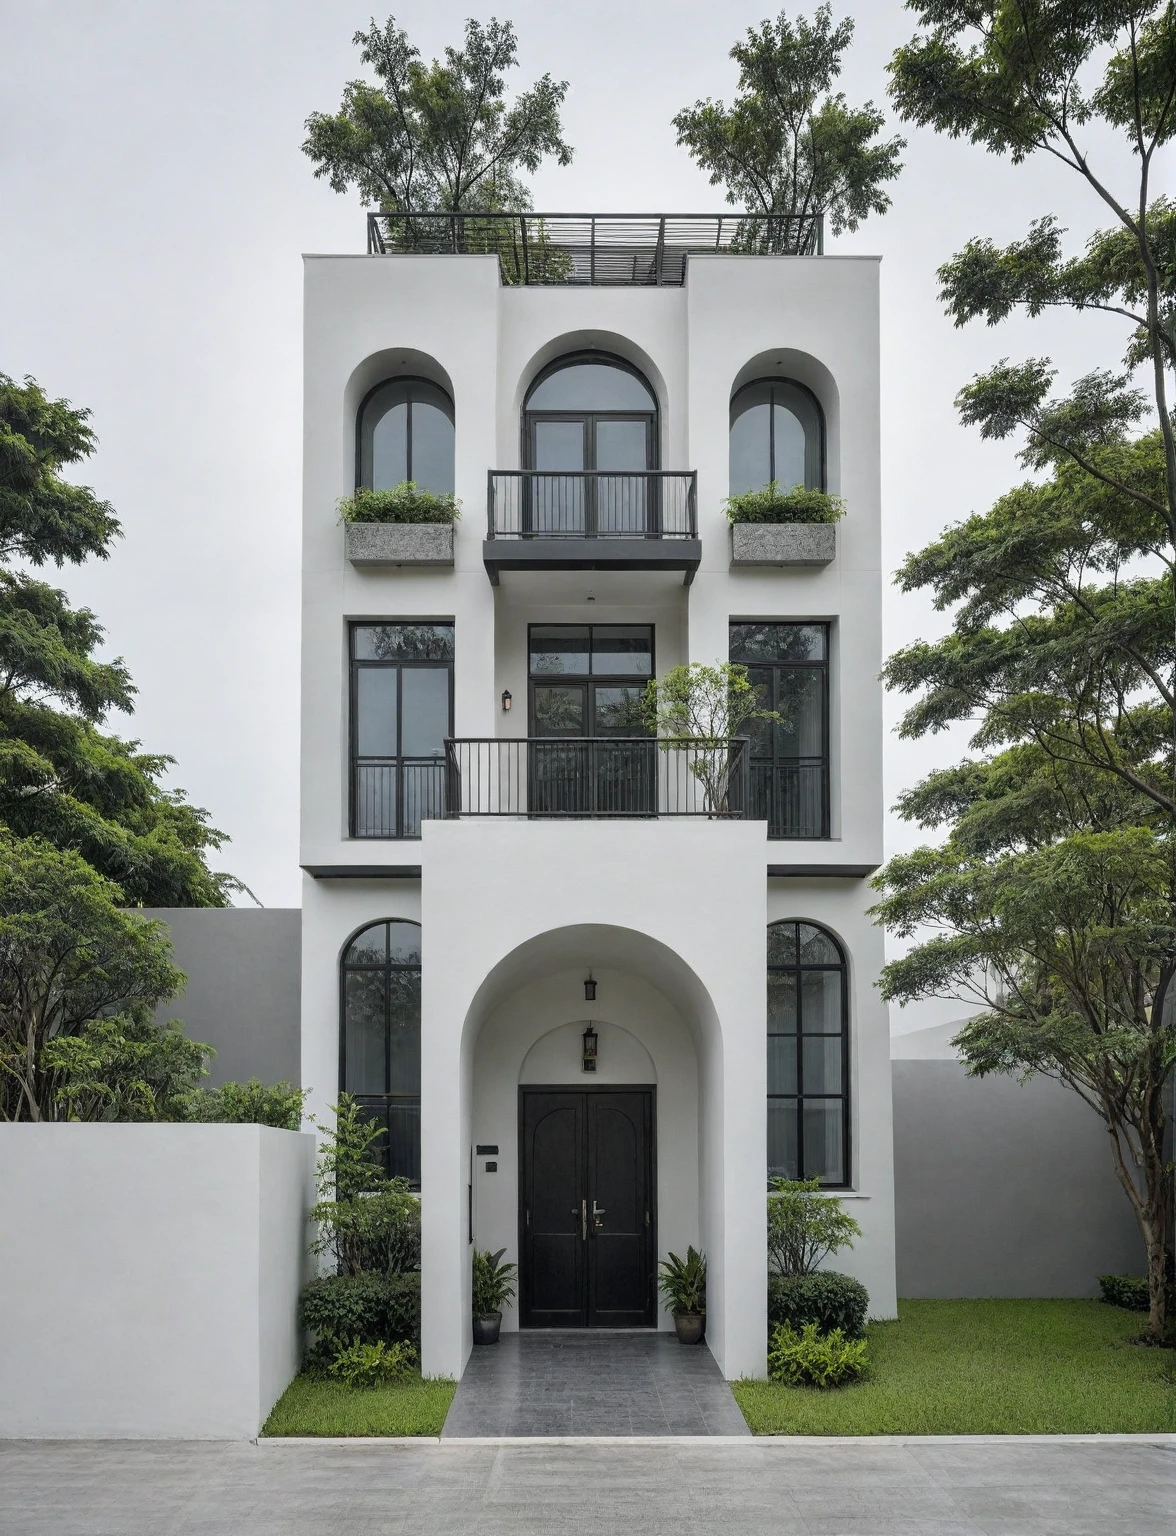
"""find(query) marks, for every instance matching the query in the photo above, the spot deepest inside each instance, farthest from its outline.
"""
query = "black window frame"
(355, 665)
(776, 758)
(800, 1096)
(361, 413)
(589, 679)
(772, 383)
(370, 1102)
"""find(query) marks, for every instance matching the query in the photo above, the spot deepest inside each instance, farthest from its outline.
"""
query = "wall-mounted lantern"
(589, 989)
(589, 1057)
(506, 701)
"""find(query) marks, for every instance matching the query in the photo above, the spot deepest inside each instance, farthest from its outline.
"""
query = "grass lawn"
(310, 1406)
(987, 1367)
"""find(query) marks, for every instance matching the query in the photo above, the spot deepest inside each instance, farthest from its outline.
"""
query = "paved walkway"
(740, 1487)
(593, 1383)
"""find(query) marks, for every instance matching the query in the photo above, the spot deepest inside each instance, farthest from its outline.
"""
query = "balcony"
(585, 778)
(592, 520)
(594, 249)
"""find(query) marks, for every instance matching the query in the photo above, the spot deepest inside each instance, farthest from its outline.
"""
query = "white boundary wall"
(149, 1276)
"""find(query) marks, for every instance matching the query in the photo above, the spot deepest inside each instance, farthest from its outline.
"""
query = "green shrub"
(404, 503)
(251, 1103)
(378, 1233)
(826, 1299)
(812, 1359)
(772, 505)
(1130, 1292)
(360, 1309)
(373, 1365)
(805, 1226)
(493, 1282)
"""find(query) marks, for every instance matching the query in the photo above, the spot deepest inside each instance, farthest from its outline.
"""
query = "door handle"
(583, 1221)
(597, 1212)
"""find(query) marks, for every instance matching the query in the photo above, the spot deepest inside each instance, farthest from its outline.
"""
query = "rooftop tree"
(787, 145)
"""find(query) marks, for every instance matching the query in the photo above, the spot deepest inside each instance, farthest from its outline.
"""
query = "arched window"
(777, 433)
(808, 1055)
(406, 433)
(380, 1041)
(590, 434)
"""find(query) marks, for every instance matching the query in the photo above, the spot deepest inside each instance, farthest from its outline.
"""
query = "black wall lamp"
(506, 701)
(589, 1056)
(589, 989)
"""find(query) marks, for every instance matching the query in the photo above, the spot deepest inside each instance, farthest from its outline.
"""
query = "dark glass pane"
(363, 1025)
(782, 1015)
(622, 445)
(750, 451)
(817, 947)
(559, 712)
(622, 650)
(789, 445)
(782, 1064)
(782, 1145)
(402, 642)
(824, 1152)
(424, 713)
(782, 944)
(404, 1141)
(375, 706)
(584, 386)
(760, 731)
(404, 944)
(383, 437)
(369, 947)
(559, 445)
(821, 1063)
(432, 439)
(559, 648)
(404, 1031)
(777, 642)
(820, 1002)
(800, 702)
(619, 712)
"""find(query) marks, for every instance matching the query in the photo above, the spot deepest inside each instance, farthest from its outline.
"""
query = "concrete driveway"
(672, 1486)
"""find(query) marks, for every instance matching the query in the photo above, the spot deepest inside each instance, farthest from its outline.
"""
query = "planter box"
(400, 543)
(783, 543)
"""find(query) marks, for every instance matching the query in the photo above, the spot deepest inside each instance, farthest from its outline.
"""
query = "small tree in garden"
(365, 1221)
(805, 1226)
(780, 148)
(125, 1068)
(703, 710)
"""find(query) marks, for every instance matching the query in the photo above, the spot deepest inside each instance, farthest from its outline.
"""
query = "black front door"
(586, 1208)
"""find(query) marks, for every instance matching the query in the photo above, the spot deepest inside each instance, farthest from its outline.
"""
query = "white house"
(502, 873)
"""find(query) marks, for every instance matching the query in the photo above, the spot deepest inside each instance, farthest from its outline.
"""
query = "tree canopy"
(62, 778)
(438, 137)
(781, 149)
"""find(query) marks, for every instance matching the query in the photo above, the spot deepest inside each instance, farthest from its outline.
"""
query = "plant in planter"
(493, 1285)
(404, 503)
(683, 1283)
(801, 504)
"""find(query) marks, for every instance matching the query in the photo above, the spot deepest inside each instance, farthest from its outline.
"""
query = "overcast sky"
(155, 203)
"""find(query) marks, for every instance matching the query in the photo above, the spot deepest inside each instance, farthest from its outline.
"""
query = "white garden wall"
(149, 1277)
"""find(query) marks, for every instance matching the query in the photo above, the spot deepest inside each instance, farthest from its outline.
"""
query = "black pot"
(486, 1328)
(690, 1327)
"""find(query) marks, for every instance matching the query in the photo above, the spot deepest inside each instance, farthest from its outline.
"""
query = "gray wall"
(244, 970)
(1003, 1188)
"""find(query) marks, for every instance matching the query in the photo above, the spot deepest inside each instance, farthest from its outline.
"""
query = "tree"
(1050, 906)
(779, 149)
(68, 956)
(702, 710)
(61, 778)
(438, 137)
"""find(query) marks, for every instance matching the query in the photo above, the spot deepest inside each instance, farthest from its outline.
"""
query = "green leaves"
(438, 137)
(778, 150)
(805, 1226)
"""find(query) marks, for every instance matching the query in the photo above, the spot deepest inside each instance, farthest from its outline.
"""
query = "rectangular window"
(401, 713)
(788, 665)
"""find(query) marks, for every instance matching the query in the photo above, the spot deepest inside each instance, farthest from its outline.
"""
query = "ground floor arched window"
(808, 1055)
(380, 1038)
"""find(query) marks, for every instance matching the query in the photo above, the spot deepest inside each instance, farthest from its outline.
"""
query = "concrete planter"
(783, 543)
(400, 543)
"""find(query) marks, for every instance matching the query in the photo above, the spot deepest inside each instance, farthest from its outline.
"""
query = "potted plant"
(493, 1284)
(783, 527)
(683, 1283)
(406, 525)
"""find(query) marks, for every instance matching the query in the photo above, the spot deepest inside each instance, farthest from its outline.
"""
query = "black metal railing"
(585, 777)
(793, 798)
(586, 504)
(392, 797)
(594, 249)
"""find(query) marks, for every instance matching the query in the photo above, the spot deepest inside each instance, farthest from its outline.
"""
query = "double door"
(592, 475)
(587, 1224)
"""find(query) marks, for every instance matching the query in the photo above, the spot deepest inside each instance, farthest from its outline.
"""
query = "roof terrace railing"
(594, 249)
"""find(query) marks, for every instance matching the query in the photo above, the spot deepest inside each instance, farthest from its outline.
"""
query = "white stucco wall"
(149, 1276)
